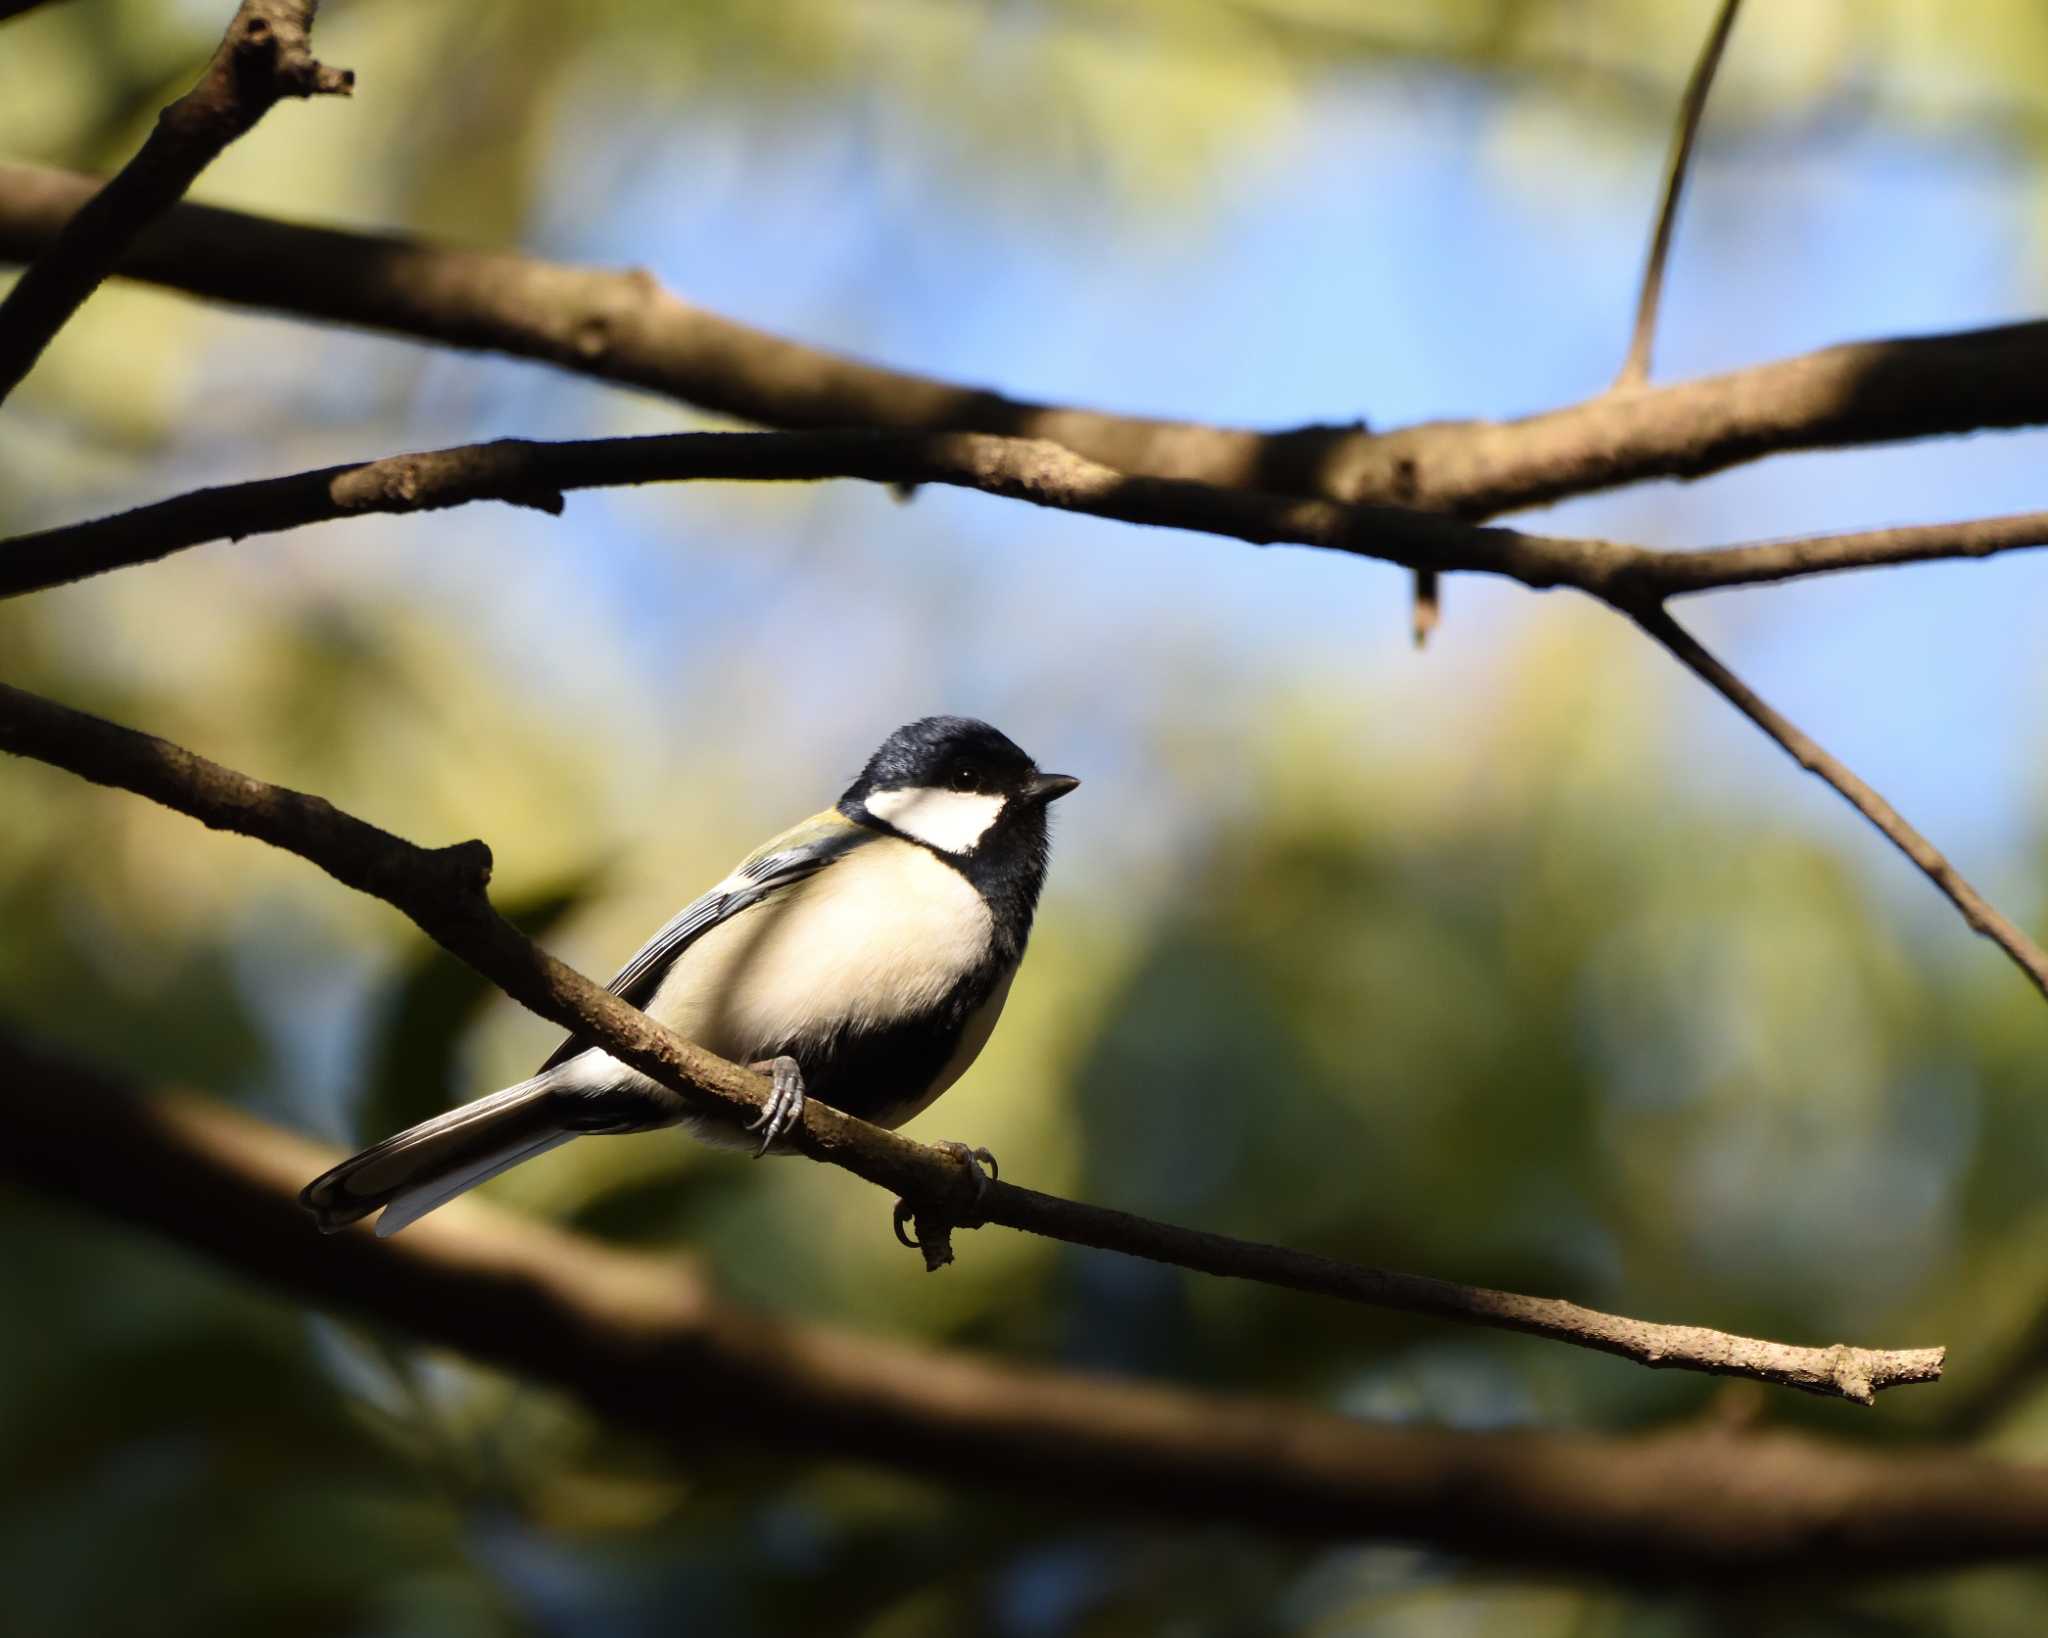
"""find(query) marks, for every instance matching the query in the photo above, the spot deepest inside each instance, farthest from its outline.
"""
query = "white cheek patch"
(952, 821)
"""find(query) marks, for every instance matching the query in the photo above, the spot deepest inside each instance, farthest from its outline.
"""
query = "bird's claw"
(785, 1105)
(934, 1237)
(974, 1160)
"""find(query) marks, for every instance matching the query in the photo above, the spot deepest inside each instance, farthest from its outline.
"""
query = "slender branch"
(535, 474)
(264, 56)
(442, 890)
(650, 1344)
(1635, 369)
(1983, 917)
(528, 473)
(624, 327)
(1674, 574)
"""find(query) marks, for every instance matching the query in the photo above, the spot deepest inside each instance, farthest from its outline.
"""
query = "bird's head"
(956, 785)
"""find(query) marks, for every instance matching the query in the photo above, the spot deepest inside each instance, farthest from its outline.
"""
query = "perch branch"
(263, 56)
(443, 891)
(650, 1344)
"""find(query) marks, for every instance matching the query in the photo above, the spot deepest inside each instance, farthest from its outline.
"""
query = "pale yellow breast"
(880, 935)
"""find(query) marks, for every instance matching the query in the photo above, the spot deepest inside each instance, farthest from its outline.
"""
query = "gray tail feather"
(428, 1165)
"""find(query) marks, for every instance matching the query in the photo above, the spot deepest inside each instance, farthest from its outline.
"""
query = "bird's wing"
(802, 850)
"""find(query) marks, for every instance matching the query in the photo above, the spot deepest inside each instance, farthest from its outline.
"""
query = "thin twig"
(264, 56)
(443, 891)
(624, 327)
(1635, 369)
(1983, 917)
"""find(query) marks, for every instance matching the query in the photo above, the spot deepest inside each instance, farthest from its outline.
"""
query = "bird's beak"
(1049, 787)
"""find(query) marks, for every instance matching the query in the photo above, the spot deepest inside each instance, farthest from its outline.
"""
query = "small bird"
(861, 957)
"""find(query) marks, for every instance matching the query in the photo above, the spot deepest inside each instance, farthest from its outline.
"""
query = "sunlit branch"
(624, 327)
(443, 891)
(264, 56)
(1673, 574)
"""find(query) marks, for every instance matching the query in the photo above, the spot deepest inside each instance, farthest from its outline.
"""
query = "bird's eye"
(966, 777)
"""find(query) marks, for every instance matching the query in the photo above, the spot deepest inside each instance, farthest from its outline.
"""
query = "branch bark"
(523, 472)
(443, 891)
(264, 56)
(623, 327)
(535, 474)
(649, 1344)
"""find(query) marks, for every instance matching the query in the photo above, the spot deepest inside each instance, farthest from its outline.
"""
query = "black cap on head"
(946, 753)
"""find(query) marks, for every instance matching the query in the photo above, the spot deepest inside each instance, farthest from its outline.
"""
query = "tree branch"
(648, 1343)
(535, 474)
(1635, 369)
(624, 327)
(527, 473)
(1675, 574)
(442, 890)
(264, 56)
(1983, 917)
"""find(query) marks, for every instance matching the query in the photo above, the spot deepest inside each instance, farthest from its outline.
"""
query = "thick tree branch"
(623, 327)
(443, 892)
(1982, 916)
(264, 56)
(649, 1344)
(1635, 369)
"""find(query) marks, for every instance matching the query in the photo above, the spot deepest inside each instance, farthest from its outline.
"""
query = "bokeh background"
(1520, 960)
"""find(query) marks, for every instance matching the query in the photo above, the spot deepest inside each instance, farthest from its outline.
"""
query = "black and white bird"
(862, 956)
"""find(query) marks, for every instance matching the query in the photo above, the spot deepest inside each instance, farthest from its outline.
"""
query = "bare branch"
(623, 327)
(442, 890)
(263, 57)
(1635, 369)
(649, 1343)
(528, 473)
(535, 474)
(1674, 574)
(1983, 917)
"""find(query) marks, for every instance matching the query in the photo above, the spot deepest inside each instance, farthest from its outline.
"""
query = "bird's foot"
(785, 1105)
(933, 1235)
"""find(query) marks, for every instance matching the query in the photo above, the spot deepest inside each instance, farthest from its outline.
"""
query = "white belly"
(878, 936)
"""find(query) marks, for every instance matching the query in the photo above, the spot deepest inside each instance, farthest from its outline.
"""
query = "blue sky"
(1395, 257)
(1402, 250)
